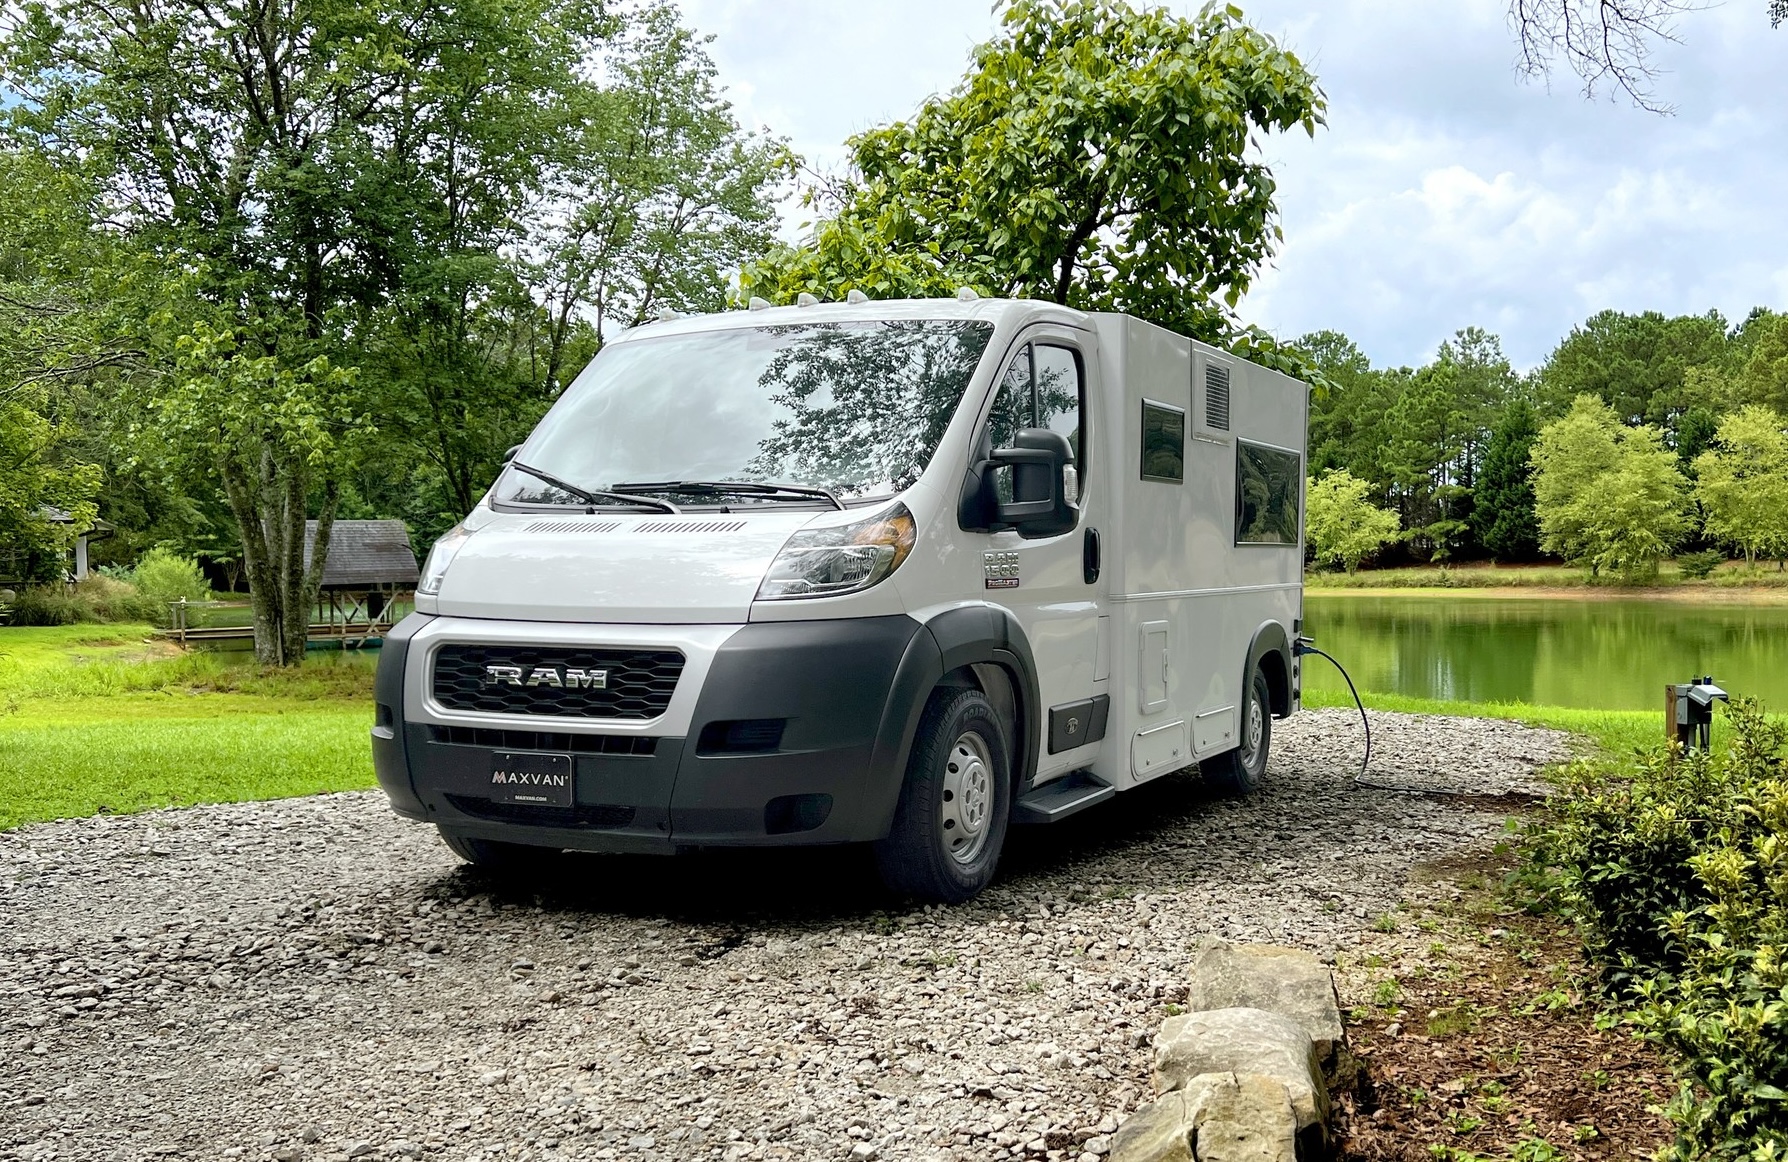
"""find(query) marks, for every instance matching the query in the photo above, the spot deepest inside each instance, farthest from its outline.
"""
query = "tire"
(950, 823)
(1240, 771)
(493, 855)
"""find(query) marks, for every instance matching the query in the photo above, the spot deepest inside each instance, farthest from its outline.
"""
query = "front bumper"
(777, 733)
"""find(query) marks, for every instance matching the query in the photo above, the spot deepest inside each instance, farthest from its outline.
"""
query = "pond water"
(1598, 654)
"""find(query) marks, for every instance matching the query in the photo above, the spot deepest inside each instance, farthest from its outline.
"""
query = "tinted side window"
(1057, 376)
(1012, 404)
(1163, 442)
(1268, 484)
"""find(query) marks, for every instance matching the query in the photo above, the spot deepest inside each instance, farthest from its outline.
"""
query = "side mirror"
(1039, 460)
(510, 455)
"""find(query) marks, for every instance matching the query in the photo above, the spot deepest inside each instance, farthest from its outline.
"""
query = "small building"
(17, 567)
(369, 571)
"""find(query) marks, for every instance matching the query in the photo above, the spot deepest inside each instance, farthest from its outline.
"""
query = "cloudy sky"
(1445, 191)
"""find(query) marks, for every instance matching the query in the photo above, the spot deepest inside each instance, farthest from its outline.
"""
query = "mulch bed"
(1474, 1026)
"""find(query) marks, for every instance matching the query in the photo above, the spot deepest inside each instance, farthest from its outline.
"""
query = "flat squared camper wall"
(1186, 599)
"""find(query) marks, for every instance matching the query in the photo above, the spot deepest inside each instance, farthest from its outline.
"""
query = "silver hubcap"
(1256, 727)
(968, 797)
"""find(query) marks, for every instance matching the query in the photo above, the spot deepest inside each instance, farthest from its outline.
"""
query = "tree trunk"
(269, 503)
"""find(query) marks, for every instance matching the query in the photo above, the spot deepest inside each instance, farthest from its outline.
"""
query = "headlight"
(841, 559)
(434, 570)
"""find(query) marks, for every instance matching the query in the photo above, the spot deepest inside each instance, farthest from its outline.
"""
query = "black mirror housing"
(1039, 506)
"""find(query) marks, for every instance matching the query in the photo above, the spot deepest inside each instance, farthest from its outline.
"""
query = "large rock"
(1217, 1117)
(1288, 981)
(1244, 1041)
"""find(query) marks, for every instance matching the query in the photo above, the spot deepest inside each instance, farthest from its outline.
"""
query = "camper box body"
(1194, 608)
(644, 666)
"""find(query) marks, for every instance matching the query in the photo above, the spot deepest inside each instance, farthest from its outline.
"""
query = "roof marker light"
(667, 312)
(757, 304)
(856, 296)
(967, 294)
(806, 300)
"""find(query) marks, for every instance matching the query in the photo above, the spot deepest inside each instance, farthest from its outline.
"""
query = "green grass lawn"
(106, 718)
(1615, 731)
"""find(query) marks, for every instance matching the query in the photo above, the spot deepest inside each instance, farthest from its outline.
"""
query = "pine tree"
(1503, 516)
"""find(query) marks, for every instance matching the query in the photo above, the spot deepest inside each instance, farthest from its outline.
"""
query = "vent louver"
(573, 526)
(1216, 397)
(700, 526)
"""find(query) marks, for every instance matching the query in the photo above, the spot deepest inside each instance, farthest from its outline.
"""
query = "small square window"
(1269, 484)
(1163, 442)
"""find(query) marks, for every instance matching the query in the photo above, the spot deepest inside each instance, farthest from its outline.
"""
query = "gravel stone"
(297, 978)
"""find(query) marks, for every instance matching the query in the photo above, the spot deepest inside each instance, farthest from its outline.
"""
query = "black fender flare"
(954, 640)
(1271, 640)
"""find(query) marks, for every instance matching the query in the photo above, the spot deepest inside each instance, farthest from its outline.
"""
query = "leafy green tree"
(303, 173)
(45, 242)
(1742, 483)
(1096, 154)
(667, 196)
(1633, 363)
(1503, 512)
(1341, 523)
(1607, 495)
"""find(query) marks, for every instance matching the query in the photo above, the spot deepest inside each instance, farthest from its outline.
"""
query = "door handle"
(1089, 556)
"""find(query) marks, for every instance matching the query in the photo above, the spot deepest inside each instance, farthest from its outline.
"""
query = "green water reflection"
(1609, 655)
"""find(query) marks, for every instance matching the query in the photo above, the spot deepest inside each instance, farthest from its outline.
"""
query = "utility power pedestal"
(1688, 711)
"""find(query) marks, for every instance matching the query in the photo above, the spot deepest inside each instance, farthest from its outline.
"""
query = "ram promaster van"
(900, 573)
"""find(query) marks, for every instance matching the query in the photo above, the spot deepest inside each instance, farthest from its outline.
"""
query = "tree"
(1607, 495)
(1503, 513)
(1605, 41)
(1096, 155)
(1742, 483)
(45, 242)
(1341, 523)
(302, 174)
(666, 198)
(1635, 364)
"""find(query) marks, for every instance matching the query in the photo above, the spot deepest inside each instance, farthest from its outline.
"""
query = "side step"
(1060, 798)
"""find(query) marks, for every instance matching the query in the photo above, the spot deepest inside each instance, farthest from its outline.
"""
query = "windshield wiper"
(735, 487)
(596, 495)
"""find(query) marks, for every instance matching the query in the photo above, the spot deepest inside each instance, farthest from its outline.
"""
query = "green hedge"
(1675, 867)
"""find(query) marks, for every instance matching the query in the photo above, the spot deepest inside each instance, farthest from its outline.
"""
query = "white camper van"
(890, 572)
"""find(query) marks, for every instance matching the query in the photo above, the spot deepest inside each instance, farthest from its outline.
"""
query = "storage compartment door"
(1154, 662)
(1158, 750)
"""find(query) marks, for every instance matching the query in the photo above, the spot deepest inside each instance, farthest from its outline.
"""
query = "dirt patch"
(1476, 1026)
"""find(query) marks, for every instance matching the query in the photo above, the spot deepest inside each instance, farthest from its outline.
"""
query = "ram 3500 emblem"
(571, 678)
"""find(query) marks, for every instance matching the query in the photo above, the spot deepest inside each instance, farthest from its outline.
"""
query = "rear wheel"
(1240, 771)
(494, 855)
(950, 823)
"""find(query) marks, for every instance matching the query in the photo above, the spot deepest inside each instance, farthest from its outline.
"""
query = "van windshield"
(857, 409)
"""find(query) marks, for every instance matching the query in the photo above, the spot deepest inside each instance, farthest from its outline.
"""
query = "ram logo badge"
(571, 678)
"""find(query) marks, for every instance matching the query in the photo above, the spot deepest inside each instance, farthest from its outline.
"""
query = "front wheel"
(950, 823)
(1240, 771)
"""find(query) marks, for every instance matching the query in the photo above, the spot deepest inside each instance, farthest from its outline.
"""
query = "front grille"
(598, 815)
(638, 682)
(638, 746)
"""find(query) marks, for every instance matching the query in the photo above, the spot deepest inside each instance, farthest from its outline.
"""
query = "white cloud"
(1444, 193)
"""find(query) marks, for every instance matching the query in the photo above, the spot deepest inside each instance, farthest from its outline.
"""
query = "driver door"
(1051, 583)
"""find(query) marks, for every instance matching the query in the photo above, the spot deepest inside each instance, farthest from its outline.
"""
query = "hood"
(646, 567)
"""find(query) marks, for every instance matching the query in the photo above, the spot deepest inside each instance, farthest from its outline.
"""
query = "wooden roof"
(364, 553)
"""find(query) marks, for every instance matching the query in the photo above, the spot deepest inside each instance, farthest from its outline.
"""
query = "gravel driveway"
(314, 978)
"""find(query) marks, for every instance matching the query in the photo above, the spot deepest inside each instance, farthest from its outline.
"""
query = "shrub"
(166, 576)
(1675, 867)
(1699, 566)
(97, 599)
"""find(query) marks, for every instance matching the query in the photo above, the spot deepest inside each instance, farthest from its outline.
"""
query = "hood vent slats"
(573, 526)
(702, 526)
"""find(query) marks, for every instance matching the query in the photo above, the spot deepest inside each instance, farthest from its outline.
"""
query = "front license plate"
(536, 780)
